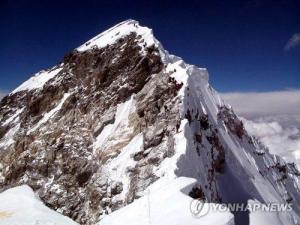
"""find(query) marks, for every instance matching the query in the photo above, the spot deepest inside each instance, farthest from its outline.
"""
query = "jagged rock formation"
(118, 114)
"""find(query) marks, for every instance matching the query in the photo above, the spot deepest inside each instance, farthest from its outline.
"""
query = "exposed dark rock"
(83, 177)
(3, 131)
(188, 116)
(231, 121)
(198, 137)
(197, 193)
(60, 151)
(61, 159)
(153, 136)
(116, 188)
(204, 122)
(68, 139)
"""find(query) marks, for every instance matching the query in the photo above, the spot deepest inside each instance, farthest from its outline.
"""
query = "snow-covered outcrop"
(20, 206)
(38, 80)
(174, 207)
(119, 118)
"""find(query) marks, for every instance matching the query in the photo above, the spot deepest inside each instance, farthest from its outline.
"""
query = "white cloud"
(276, 103)
(281, 141)
(273, 117)
(292, 42)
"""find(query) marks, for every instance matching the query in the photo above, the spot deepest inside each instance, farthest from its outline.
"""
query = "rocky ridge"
(119, 113)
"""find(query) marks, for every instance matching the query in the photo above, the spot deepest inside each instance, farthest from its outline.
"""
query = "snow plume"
(293, 42)
(273, 117)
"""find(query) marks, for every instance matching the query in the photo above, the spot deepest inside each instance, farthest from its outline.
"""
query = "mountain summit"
(121, 130)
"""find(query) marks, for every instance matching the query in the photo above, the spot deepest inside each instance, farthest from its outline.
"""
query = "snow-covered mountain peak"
(119, 31)
(120, 116)
(38, 80)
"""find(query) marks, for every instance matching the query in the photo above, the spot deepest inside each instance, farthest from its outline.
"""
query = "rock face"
(117, 114)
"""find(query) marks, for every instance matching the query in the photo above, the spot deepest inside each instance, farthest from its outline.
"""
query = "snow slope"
(202, 144)
(113, 34)
(165, 203)
(50, 114)
(247, 174)
(38, 80)
(20, 206)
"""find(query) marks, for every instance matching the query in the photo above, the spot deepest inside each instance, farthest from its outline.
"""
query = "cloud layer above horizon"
(273, 117)
(253, 105)
(281, 141)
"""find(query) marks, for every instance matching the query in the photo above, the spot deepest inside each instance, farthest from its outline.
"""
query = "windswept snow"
(195, 79)
(169, 165)
(8, 139)
(242, 177)
(245, 175)
(118, 167)
(13, 117)
(51, 113)
(20, 206)
(113, 34)
(119, 127)
(165, 204)
(38, 80)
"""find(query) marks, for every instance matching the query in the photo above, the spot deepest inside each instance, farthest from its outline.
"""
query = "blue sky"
(246, 45)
